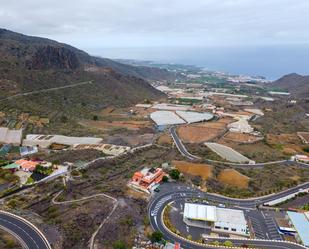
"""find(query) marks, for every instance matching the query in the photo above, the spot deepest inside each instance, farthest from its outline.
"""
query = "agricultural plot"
(194, 169)
(109, 125)
(233, 178)
(240, 137)
(197, 134)
(227, 153)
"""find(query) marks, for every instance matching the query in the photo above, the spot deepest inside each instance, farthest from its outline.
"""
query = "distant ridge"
(296, 84)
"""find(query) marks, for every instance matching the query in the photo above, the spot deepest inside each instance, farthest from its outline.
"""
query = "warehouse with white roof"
(218, 219)
(164, 119)
(194, 117)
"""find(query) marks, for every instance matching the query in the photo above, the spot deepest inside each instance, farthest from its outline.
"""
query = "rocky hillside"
(296, 84)
(32, 63)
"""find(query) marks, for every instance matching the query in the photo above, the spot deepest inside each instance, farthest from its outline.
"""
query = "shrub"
(174, 174)
(165, 179)
(156, 236)
(119, 245)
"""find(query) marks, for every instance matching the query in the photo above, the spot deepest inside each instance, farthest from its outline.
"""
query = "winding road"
(26, 233)
(175, 193)
(183, 150)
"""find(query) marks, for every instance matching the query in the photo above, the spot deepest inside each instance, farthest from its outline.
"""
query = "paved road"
(24, 231)
(174, 193)
(182, 149)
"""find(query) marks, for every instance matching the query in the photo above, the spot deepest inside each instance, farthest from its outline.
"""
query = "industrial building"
(8, 136)
(300, 221)
(221, 220)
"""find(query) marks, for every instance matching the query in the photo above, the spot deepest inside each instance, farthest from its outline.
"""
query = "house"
(301, 158)
(147, 179)
(27, 166)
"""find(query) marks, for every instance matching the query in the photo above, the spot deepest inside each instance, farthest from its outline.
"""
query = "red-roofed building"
(147, 179)
(177, 246)
(26, 165)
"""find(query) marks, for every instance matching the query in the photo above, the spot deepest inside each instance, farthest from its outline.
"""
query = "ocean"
(271, 62)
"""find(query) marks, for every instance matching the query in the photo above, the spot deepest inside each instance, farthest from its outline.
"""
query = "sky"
(117, 28)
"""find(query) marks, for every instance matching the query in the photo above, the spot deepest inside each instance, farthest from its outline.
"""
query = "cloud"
(147, 23)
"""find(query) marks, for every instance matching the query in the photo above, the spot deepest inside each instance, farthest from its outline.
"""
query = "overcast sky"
(267, 37)
(146, 23)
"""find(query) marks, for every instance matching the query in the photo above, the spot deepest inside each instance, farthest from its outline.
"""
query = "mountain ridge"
(296, 84)
(32, 63)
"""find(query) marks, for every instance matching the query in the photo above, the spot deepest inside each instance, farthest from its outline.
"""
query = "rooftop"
(200, 212)
(214, 214)
(166, 118)
(301, 224)
(192, 117)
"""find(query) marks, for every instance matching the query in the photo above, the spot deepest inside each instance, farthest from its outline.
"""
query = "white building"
(164, 119)
(221, 220)
(194, 117)
(44, 141)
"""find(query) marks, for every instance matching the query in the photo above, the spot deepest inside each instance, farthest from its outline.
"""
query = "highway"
(172, 193)
(27, 234)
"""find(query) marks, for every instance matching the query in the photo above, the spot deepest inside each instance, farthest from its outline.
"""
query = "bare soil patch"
(194, 169)
(197, 134)
(108, 125)
(165, 139)
(233, 178)
(240, 137)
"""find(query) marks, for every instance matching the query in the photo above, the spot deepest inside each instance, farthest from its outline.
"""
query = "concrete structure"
(147, 179)
(222, 220)
(285, 198)
(241, 126)
(301, 224)
(164, 119)
(108, 149)
(44, 141)
(8, 136)
(193, 117)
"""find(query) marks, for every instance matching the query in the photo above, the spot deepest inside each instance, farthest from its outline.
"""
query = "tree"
(174, 174)
(95, 117)
(216, 243)
(165, 179)
(119, 245)
(156, 236)
(228, 243)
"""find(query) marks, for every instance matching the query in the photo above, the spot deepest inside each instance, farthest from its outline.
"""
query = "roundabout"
(173, 192)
